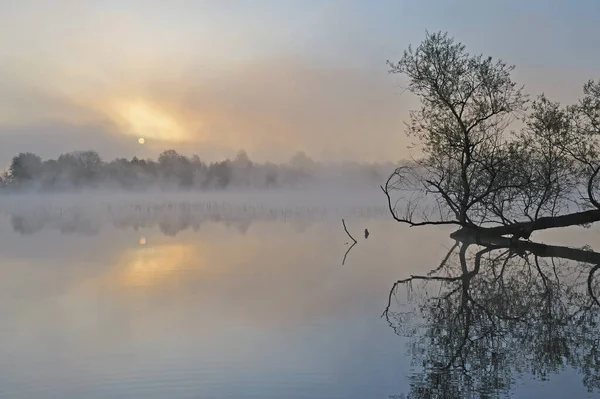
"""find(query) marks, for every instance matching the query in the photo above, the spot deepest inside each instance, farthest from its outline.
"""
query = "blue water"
(228, 302)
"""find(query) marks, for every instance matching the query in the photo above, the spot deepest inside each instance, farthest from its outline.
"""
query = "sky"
(271, 77)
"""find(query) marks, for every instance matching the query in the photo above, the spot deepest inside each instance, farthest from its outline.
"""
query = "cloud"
(272, 108)
(271, 78)
(276, 107)
(231, 77)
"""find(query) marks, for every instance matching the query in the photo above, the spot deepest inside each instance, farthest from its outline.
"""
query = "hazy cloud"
(269, 77)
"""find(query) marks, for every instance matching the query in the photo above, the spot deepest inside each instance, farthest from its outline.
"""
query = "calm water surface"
(222, 299)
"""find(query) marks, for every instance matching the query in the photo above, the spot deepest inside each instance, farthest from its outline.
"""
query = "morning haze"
(268, 77)
(299, 199)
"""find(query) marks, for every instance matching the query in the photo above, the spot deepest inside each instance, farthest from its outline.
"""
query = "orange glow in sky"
(147, 121)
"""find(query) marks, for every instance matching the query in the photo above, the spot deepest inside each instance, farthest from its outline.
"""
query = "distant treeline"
(86, 169)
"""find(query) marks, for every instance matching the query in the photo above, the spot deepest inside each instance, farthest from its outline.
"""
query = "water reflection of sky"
(211, 311)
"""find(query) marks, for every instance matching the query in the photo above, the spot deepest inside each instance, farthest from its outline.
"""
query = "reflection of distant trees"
(172, 218)
(85, 169)
(25, 225)
(73, 223)
(491, 313)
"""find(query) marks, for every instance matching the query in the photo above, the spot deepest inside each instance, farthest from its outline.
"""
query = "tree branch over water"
(476, 171)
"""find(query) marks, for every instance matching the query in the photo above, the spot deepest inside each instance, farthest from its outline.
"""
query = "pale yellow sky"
(268, 77)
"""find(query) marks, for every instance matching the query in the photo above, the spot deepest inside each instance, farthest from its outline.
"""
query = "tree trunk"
(524, 229)
(521, 246)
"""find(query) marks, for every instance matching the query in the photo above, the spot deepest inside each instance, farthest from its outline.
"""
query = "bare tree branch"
(346, 230)
(347, 252)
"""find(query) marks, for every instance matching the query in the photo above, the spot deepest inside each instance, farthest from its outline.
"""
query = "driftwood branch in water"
(351, 246)
(347, 252)
(346, 230)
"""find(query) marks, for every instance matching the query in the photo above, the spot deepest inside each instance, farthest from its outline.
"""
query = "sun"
(148, 121)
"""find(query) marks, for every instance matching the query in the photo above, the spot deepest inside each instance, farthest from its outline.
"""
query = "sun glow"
(148, 121)
(147, 266)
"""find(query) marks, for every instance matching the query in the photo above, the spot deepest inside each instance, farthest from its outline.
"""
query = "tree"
(242, 168)
(89, 165)
(271, 175)
(84, 169)
(50, 173)
(79, 167)
(302, 162)
(25, 167)
(177, 168)
(477, 173)
(242, 160)
(219, 174)
(199, 171)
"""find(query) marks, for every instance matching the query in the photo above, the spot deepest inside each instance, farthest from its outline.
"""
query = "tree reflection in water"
(495, 311)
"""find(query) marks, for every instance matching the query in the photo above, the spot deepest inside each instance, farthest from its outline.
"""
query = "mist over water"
(86, 171)
(123, 301)
(213, 295)
(212, 199)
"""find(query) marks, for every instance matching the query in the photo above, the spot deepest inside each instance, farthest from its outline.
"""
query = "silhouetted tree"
(475, 172)
(271, 175)
(242, 169)
(81, 168)
(219, 174)
(176, 167)
(301, 161)
(200, 171)
(90, 164)
(242, 160)
(172, 170)
(25, 167)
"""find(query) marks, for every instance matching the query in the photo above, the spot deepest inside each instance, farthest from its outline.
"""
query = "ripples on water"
(234, 298)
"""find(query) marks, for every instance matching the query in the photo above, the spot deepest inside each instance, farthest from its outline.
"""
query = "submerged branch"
(346, 230)
(351, 246)
(347, 252)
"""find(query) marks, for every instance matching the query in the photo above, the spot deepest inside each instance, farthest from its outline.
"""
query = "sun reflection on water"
(149, 265)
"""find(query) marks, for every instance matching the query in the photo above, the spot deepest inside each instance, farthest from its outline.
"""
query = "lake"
(245, 296)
